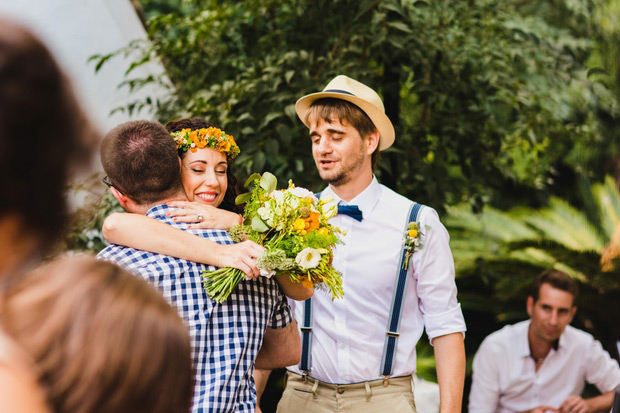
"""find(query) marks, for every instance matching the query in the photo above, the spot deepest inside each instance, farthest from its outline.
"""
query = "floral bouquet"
(292, 226)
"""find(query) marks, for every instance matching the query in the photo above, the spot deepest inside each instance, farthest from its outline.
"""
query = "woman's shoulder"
(19, 388)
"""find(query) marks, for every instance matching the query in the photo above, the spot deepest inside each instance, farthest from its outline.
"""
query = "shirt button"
(341, 346)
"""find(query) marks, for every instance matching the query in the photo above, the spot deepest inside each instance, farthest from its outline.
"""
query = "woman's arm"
(212, 217)
(148, 234)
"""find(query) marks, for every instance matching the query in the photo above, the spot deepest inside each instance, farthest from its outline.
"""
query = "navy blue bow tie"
(351, 210)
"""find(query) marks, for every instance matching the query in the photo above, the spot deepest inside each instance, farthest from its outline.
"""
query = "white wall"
(74, 30)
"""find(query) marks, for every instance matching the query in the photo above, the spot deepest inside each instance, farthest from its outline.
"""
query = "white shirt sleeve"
(601, 369)
(433, 268)
(485, 387)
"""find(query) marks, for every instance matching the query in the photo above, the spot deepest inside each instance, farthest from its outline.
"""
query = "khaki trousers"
(315, 396)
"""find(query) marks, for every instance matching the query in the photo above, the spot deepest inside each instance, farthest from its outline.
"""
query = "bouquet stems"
(220, 283)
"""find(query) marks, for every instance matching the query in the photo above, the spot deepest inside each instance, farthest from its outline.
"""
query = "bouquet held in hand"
(292, 226)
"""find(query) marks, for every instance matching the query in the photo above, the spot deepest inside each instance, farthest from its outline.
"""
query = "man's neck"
(144, 208)
(352, 188)
(538, 348)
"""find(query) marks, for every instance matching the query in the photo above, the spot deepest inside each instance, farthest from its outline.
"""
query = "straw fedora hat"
(345, 88)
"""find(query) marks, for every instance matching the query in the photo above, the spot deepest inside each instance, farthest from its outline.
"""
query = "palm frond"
(577, 263)
(508, 226)
(566, 225)
(608, 200)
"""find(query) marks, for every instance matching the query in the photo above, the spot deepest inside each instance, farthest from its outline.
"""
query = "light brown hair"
(558, 280)
(348, 114)
(102, 339)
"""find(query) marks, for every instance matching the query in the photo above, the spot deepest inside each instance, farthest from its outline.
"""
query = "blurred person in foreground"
(101, 339)
(142, 164)
(43, 135)
(353, 363)
(542, 364)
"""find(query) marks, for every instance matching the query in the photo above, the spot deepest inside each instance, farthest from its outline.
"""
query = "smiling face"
(550, 314)
(340, 154)
(204, 176)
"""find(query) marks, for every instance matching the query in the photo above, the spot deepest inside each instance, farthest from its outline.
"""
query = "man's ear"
(573, 311)
(530, 305)
(122, 199)
(372, 141)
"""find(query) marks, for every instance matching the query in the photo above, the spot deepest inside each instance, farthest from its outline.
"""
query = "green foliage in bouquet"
(292, 224)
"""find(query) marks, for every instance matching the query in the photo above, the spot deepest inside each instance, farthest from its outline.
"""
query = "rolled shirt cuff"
(448, 322)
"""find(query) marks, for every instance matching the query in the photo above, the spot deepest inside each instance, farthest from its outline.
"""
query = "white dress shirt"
(505, 377)
(349, 333)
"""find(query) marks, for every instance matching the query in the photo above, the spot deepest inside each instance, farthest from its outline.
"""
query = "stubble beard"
(337, 179)
(542, 336)
(346, 172)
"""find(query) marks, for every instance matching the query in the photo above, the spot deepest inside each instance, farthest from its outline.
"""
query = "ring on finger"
(200, 217)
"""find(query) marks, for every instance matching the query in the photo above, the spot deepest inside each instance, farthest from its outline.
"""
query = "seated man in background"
(542, 364)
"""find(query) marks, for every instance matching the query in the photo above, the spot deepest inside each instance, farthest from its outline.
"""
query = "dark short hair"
(140, 158)
(228, 203)
(347, 113)
(44, 133)
(557, 279)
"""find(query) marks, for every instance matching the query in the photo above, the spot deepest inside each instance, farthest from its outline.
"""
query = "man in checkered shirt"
(141, 161)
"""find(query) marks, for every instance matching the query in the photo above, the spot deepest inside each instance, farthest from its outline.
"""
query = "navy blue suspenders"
(391, 336)
(391, 339)
(305, 365)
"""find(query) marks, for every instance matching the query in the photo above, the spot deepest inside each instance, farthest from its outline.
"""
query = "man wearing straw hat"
(398, 274)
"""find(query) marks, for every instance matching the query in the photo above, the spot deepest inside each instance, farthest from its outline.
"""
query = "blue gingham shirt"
(225, 337)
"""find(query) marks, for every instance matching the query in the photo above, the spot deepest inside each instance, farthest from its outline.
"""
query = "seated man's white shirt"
(349, 333)
(505, 378)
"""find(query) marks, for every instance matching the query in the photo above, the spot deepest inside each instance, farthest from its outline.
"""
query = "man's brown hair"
(347, 113)
(102, 339)
(557, 279)
(140, 158)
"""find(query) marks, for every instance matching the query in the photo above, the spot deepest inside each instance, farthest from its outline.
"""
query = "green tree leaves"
(482, 93)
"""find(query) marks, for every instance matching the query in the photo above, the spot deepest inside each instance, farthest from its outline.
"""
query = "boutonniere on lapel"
(413, 234)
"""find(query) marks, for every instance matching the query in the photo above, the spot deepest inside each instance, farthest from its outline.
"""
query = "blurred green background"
(506, 115)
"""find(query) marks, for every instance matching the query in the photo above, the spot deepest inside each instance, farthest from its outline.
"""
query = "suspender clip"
(386, 380)
(394, 334)
(304, 376)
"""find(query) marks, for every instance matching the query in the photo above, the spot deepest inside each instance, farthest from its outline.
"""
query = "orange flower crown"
(214, 138)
